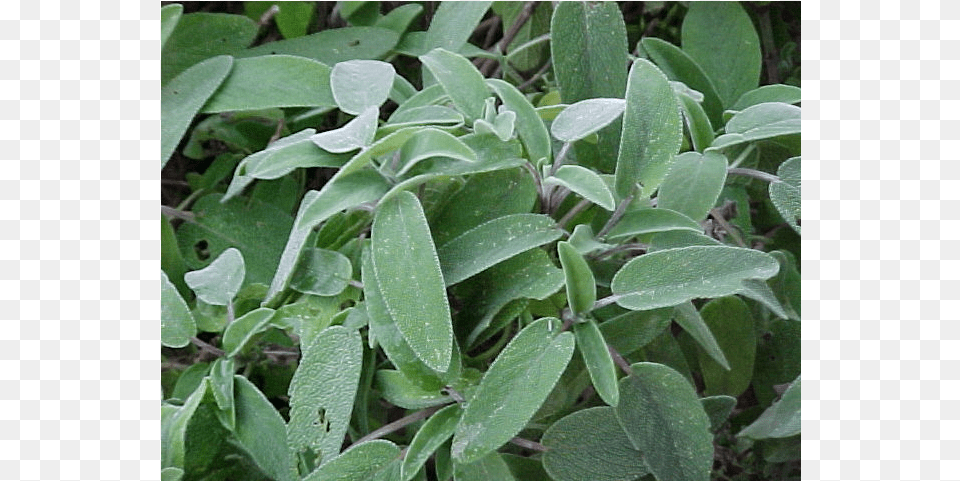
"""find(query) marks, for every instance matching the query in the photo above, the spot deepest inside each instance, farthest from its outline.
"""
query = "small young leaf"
(493, 242)
(332, 46)
(530, 129)
(512, 390)
(362, 462)
(273, 81)
(780, 420)
(321, 272)
(759, 122)
(322, 392)
(590, 444)
(356, 134)
(460, 79)
(585, 182)
(360, 84)
(653, 117)
(452, 24)
(718, 409)
(397, 389)
(731, 323)
(586, 117)
(487, 468)
(647, 221)
(581, 286)
(261, 431)
(176, 322)
(787, 94)
(669, 277)
(785, 195)
(502, 125)
(239, 332)
(701, 132)
(663, 418)
(720, 37)
(677, 65)
(169, 17)
(400, 18)
(429, 438)
(182, 98)
(596, 356)
(219, 282)
(221, 385)
(693, 184)
(443, 117)
(407, 269)
(687, 316)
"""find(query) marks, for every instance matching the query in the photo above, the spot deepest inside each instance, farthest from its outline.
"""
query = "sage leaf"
(221, 386)
(433, 143)
(169, 17)
(687, 316)
(787, 94)
(322, 392)
(397, 389)
(362, 462)
(730, 321)
(493, 242)
(332, 46)
(590, 444)
(759, 122)
(530, 129)
(409, 275)
(693, 184)
(176, 321)
(586, 117)
(356, 134)
(652, 120)
(437, 115)
(663, 418)
(171, 473)
(452, 24)
(321, 272)
(701, 131)
(219, 282)
(678, 65)
(647, 221)
(273, 81)
(460, 80)
(482, 198)
(780, 420)
(174, 428)
(512, 390)
(261, 431)
(184, 95)
(489, 467)
(201, 36)
(720, 37)
(669, 277)
(634, 329)
(585, 182)
(239, 332)
(596, 356)
(581, 285)
(400, 18)
(360, 84)
(785, 194)
(718, 409)
(429, 438)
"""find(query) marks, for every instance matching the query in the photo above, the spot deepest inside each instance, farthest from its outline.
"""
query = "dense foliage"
(480, 241)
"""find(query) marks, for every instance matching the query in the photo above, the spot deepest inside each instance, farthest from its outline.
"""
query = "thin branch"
(756, 174)
(636, 246)
(536, 179)
(718, 218)
(536, 76)
(268, 15)
(606, 301)
(531, 445)
(355, 283)
(399, 424)
(583, 204)
(619, 360)
(179, 214)
(617, 215)
(207, 347)
(771, 56)
(508, 37)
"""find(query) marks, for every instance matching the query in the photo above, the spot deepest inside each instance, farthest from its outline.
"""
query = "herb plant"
(391, 254)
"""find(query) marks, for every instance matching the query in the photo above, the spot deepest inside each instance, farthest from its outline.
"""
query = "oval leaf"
(332, 46)
(677, 65)
(169, 17)
(581, 286)
(408, 273)
(669, 277)
(357, 133)
(273, 81)
(590, 444)
(787, 94)
(397, 389)
(460, 79)
(698, 125)
(759, 122)
(731, 323)
(182, 98)
(239, 332)
(452, 24)
(493, 242)
(688, 317)
(322, 392)
(693, 184)
(177, 325)
(512, 390)
(648, 221)
(200, 36)
(322, 272)
(597, 358)
(785, 194)
(720, 37)
(429, 438)
(425, 115)
(491, 466)
(219, 282)
(586, 117)
(652, 122)
(359, 463)
(585, 182)
(433, 143)
(261, 431)
(360, 84)
(663, 418)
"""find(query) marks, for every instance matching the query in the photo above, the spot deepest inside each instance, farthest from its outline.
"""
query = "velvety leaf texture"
(780, 420)
(429, 438)
(593, 348)
(590, 444)
(182, 98)
(176, 321)
(220, 281)
(460, 79)
(785, 195)
(581, 285)
(720, 37)
(261, 431)
(693, 184)
(359, 84)
(730, 321)
(362, 462)
(273, 81)
(332, 46)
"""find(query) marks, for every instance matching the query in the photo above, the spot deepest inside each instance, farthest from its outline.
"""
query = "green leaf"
(718, 409)
(460, 79)
(218, 226)
(239, 332)
(787, 94)
(680, 238)
(322, 392)
(693, 184)
(584, 241)
(175, 428)
(785, 195)
(261, 431)
(647, 221)
(408, 272)
(452, 24)
(181, 99)
(360, 84)
(219, 282)
(596, 356)
(493, 242)
(482, 198)
(273, 81)
(701, 132)
(581, 286)
(201, 36)
(171, 474)
(590, 444)
(486, 468)
(720, 37)
(786, 284)
(730, 321)
(663, 418)
(440, 116)
(294, 18)
(397, 389)
(512, 390)
(356, 134)
(171, 261)
(429, 143)
(332, 46)
(780, 420)
(502, 125)
(400, 18)
(429, 438)
(689, 319)
(586, 117)
(361, 462)
(176, 322)
(669, 277)
(530, 129)
(759, 122)
(678, 65)
(585, 182)
(321, 272)
(653, 114)
(221, 385)
(360, 13)
(169, 17)
(634, 329)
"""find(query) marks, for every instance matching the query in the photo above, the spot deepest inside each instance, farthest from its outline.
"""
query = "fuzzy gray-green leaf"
(596, 356)
(273, 81)
(730, 321)
(531, 130)
(720, 37)
(688, 317)
(219, 282)
(176, 321)
(261, 431)
(356, 134)
(780, 420)
(460, 79)
(581, 285)
(785, 195)
(322, 272)
(360, 84)
(678, 65)
(182, 98)
(362, 462)
(585, 182)
(429, 438)
(590, 444)
(586, 117)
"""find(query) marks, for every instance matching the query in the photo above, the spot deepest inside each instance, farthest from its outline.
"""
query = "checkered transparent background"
(79, 240)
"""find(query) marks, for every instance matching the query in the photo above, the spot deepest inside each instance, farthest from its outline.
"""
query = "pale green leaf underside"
(176, 320)
(759, 122)
(585, 182)
(586, 117)
(273, 81)
(219, 282)
(590, 444)
(359, 463)
(360, 84)
(433, 143)
(425, 115)
(182, 98)
(356, 134)
(787, 94)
